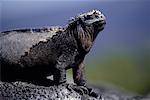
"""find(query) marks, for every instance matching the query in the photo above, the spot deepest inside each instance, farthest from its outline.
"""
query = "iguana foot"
(80, 89)
(84, 90)
(93, 93)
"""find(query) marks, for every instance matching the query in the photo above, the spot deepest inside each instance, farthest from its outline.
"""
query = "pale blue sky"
(128, 21)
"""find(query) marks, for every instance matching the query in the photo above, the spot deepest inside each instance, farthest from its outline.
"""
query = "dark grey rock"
(26, 91)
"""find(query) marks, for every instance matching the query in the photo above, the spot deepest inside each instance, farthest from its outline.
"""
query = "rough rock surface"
(26, 91)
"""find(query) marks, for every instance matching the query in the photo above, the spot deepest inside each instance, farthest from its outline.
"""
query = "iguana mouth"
(103, 22)
(100, 25)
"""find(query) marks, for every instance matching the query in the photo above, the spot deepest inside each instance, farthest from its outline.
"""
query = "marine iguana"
(33, 54)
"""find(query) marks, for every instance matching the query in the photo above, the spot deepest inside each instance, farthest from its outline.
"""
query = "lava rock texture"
(26, 91)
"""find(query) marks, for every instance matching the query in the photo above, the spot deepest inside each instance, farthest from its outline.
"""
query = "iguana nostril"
(102, 17)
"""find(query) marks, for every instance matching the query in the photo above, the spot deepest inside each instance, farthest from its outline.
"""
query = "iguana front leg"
(80, 79)
(59, 75)
(60, 70)
(79, 74)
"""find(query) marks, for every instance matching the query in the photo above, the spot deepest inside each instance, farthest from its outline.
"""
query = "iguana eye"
(88, 17)
(96, 16)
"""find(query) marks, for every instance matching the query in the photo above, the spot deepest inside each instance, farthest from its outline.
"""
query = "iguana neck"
(88, 32)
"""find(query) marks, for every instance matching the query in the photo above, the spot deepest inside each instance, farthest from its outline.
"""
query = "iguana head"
(86, 27)
(95, 18)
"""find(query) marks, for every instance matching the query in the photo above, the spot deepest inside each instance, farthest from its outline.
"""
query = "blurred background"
(121, 54)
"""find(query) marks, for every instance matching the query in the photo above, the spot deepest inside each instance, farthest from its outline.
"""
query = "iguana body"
(33, 54)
